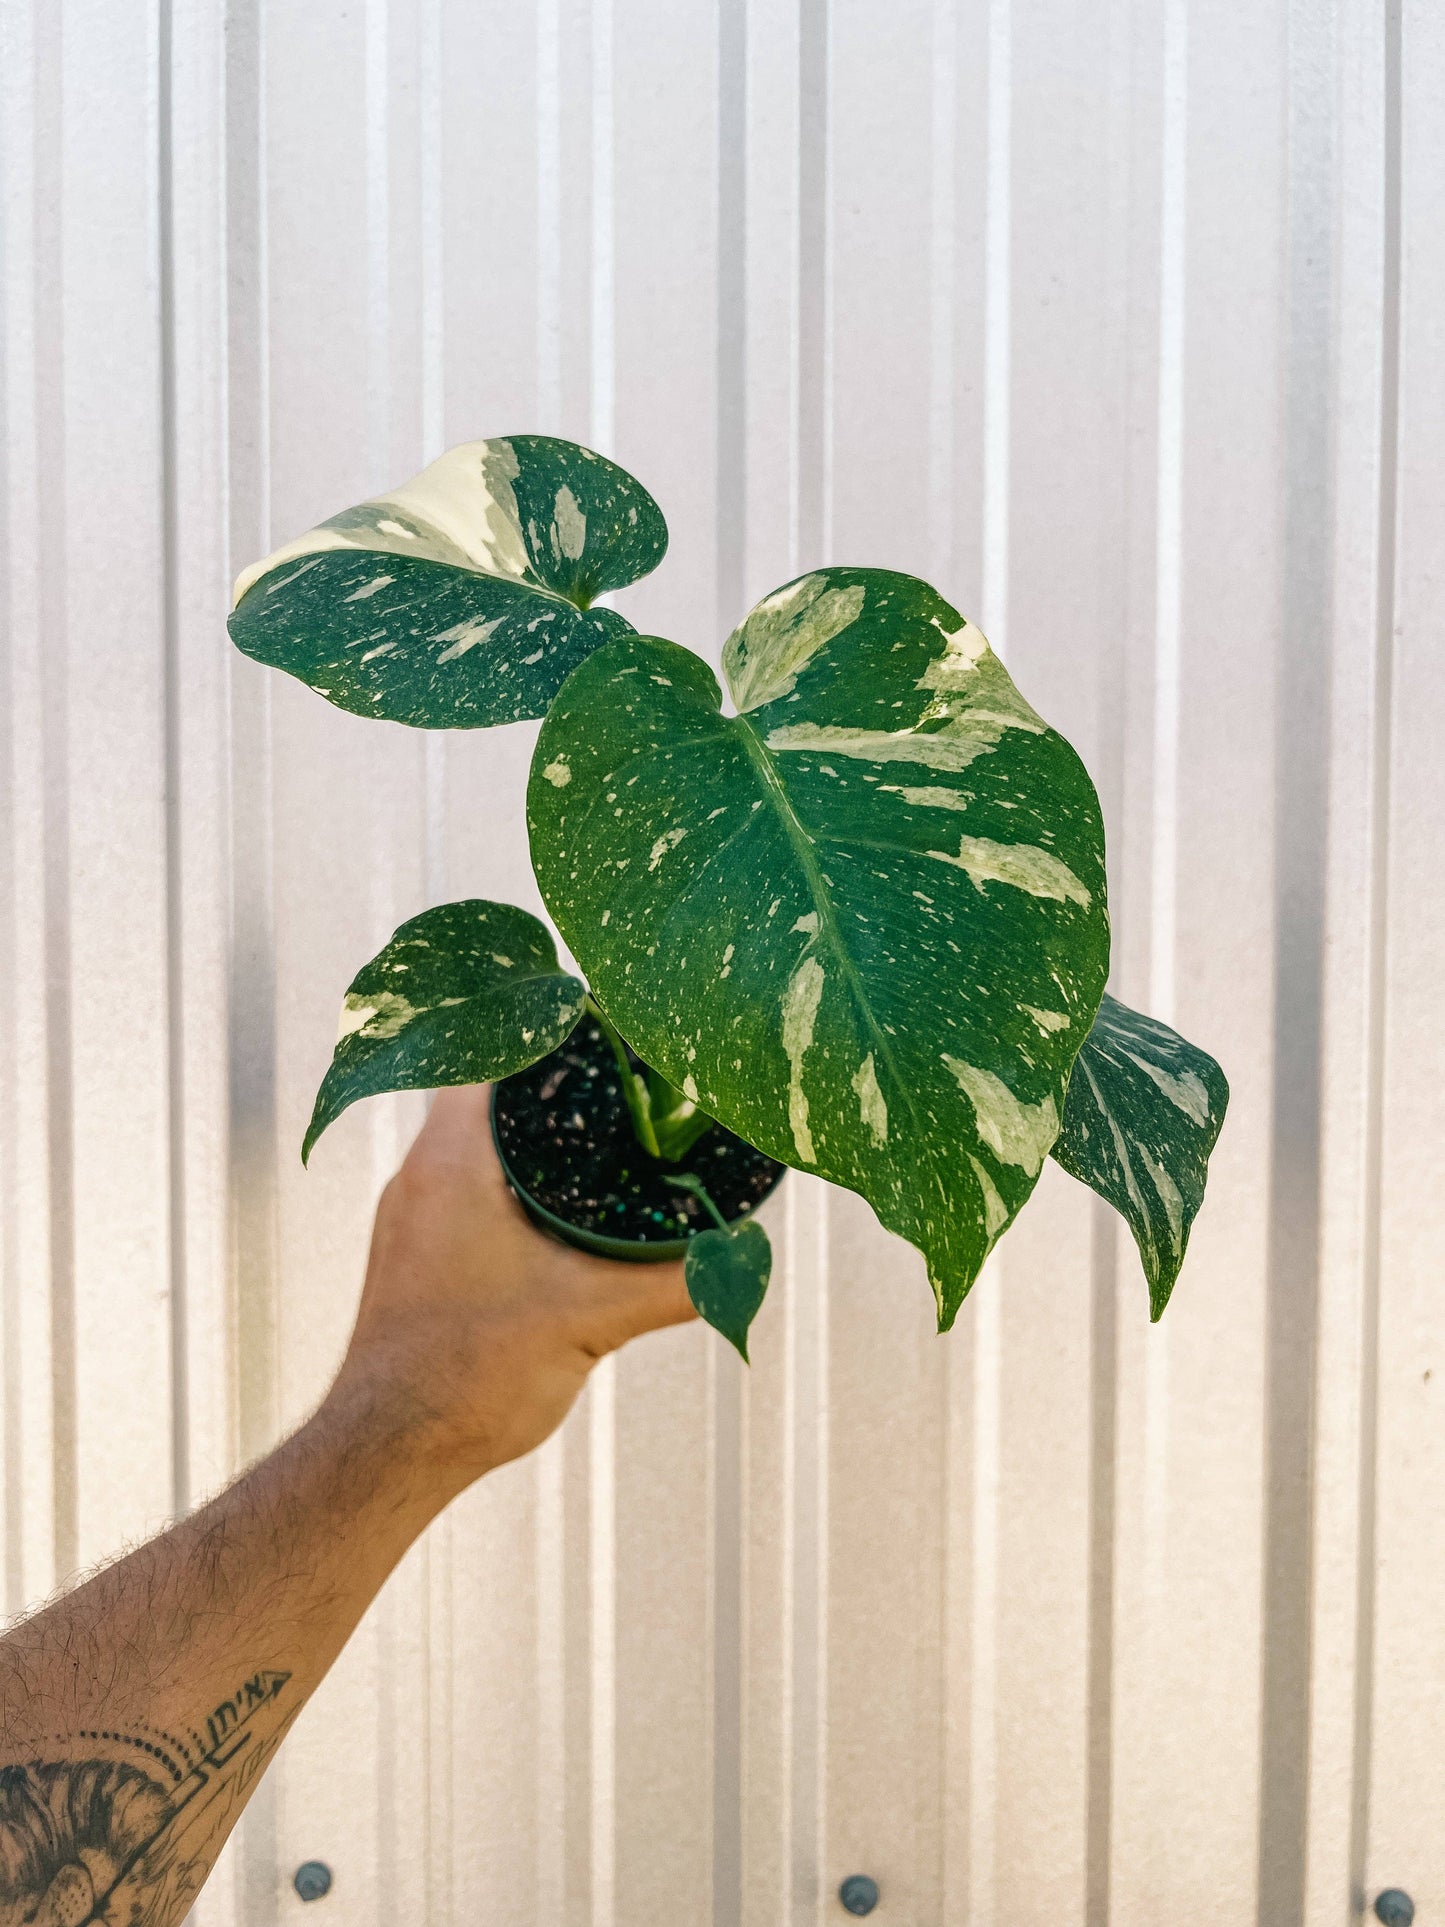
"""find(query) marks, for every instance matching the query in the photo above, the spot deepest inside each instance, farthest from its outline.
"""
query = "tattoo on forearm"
(120, 1828)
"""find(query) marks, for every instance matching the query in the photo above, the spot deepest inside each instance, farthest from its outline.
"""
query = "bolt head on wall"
(1395, 1907)
(312, 1879)
(859, 1894)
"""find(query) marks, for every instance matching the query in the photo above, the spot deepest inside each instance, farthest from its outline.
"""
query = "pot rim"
(629, 1250)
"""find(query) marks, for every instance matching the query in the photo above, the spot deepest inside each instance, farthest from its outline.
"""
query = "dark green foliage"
(863, 922)
(1143, 1113)
(462, 994)
(727, 1276)
(461, 599)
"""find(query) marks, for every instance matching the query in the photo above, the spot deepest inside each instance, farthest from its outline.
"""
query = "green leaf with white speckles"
(463, 993)
(462, 598)
(863, 922)
(727, 1275)
(1142, 1115)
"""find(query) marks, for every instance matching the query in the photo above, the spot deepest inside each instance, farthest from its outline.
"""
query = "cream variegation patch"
(1024, 866)
(800, 1015)
(872, 1110)
(995, 1211)
(1184, 1089)
(1016, 1132)
(1047, 1020)
(463, 636)
(569, 525)
(461, 509)
(943, 750)
(669, 840)
(765, 656)
(927, 799)
(380, 1013)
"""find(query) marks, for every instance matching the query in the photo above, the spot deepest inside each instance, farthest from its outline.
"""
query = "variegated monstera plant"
(856, 913)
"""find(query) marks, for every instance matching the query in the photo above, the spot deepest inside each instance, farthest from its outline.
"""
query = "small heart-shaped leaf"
(727, 1276)
(463, 993)
(462, 598)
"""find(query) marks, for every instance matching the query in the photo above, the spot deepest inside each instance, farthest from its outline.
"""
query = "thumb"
(458, 1129)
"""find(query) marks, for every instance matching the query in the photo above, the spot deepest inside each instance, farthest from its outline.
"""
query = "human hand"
(476, 1330)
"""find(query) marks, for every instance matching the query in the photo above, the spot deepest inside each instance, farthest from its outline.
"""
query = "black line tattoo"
(119, 1829)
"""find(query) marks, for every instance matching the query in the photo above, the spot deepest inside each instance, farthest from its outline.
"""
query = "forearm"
(137, 1713)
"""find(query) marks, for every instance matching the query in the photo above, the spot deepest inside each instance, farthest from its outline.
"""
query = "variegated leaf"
(1142, 1115)
(462, 994)
(862, 922)
(462, 598)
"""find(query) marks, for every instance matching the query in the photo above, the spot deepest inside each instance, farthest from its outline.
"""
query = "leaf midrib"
(802, 846)
(530, 582)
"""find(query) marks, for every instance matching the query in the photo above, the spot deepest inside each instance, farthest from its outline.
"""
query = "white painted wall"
(1126, 325)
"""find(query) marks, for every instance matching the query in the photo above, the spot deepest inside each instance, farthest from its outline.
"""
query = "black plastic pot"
(564, 1134)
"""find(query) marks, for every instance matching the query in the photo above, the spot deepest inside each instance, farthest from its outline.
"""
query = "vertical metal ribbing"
(1381, 751)
(53, 539)
(1301, 784)
(810, 490)
(181, 1478)
(728, 1387)
(251, 970)
(602, 1391)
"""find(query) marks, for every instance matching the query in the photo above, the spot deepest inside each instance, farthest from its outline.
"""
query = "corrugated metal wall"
(1125, 324)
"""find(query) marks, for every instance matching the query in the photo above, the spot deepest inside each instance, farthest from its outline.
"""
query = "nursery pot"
(564, 1134)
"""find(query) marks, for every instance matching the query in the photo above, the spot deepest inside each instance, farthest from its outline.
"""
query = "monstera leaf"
(1142, 1115)
(863, 921)
(463, 598)
(463, 993)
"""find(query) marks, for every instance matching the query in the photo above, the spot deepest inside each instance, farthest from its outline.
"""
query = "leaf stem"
(676, 1119)
(685, 1181)
(665, 1122)
(634, 1084)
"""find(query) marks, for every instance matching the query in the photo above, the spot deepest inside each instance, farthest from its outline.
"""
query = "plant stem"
(665, 1122)
(685, 1181)
(676, 1119)
(634, 1085)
